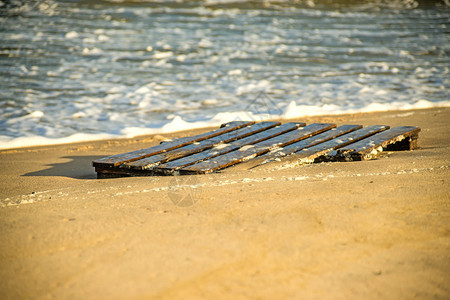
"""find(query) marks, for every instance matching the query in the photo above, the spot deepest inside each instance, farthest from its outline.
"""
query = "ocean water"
(75, 70)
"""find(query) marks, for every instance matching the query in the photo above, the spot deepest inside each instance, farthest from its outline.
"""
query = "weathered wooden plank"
(308, 142)
(310, 154)
(154, 160)
(119, 159)
(115, 172)
(404, 136)
(221, 149)
(250, 151)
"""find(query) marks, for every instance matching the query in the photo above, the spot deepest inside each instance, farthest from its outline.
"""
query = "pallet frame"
(255, 144)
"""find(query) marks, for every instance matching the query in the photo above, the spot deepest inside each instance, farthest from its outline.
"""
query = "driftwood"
(256, 144)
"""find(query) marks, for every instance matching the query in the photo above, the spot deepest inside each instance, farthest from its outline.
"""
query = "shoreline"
(345, 230)
(291, 113)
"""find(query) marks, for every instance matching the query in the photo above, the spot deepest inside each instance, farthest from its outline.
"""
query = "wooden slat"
(250, 151)
(367, 148)
(226, 148)
(309, 154)
(152, 161)
(119, 159)
(116, 172)
(309, 142)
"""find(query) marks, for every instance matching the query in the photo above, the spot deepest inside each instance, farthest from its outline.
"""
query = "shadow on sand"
(78, 167)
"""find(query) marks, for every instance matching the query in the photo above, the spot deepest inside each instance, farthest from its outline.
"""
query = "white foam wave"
(295, 111)
(292, 111)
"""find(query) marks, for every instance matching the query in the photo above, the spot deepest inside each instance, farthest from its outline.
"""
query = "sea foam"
(292, 111)
(74, 73)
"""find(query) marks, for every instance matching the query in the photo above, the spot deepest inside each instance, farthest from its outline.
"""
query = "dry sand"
(377, 229)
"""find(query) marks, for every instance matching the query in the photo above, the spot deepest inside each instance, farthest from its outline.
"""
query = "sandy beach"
(376, 229)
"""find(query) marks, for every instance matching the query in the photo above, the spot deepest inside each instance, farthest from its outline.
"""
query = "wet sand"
(356, 230)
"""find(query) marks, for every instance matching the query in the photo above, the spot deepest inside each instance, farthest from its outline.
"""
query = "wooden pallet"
(260, 143)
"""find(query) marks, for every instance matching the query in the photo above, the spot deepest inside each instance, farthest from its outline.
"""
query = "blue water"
(76, 70)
